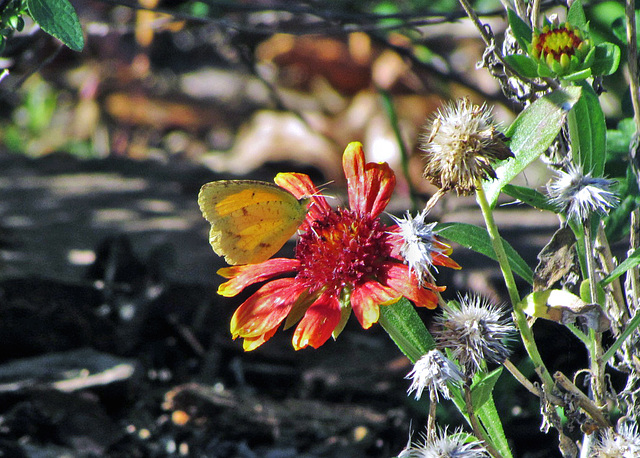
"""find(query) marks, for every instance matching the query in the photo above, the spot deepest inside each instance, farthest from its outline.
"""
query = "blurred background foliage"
(203, 79)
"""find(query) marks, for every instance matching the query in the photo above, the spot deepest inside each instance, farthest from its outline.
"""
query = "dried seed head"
(474, 333)
(460, 146)
(625, 443)
(441, 444)
(580, 194)
(433, 371)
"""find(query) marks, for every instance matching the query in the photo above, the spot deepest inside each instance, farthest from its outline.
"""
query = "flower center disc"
(340, 249)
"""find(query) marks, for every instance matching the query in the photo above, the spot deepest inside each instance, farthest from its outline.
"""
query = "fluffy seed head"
(420, 246)
(474, 332)
(624, 443)
(441, 444)
(433, 371)
(580, 194)
(460, 146)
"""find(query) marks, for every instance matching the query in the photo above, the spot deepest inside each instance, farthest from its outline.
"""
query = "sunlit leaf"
(531, 134)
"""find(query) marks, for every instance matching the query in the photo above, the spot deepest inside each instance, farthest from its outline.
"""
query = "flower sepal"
(561, 50)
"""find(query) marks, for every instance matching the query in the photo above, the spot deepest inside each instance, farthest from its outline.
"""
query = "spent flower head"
(433, 371)
(623, 443)
(579, 194)
(421, 248)
(441, 444)
(346, 260)
(474, 332)
(461, 145)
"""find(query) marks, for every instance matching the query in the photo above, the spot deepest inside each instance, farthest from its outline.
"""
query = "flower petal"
(366, 299)
(401, 279)
(369, 185)
(318, 323)
(249, 274)
(301, 186)
(251, 343)
(442, 260)
(266, 308)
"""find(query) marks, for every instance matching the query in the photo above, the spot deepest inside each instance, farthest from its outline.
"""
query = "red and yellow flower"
(346, 260)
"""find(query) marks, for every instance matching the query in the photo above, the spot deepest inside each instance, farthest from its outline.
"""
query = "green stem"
(521, 319)
(632, 326)
(595, 338)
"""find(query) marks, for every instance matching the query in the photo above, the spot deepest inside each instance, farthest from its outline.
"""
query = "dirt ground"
(114, 343)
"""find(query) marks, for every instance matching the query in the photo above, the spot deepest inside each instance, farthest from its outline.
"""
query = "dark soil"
(114, 343)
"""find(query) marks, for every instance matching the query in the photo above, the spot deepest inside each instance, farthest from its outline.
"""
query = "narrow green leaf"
(490, 419)
(477, 239)
(482, 387)
(632, 260)
(485, 409)
(531, 134)
(521, 31)
(588, 132)
(530, 196)
(578, 76)
(524, 65)
(59, 19)
(606, 60)
(576, 16)
(406, 329)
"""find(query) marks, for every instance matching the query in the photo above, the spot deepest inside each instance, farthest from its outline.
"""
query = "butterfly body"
(250, 220)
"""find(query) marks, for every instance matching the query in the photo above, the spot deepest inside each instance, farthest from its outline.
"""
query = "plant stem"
(595, 338)
(520, 318)
(631, 326)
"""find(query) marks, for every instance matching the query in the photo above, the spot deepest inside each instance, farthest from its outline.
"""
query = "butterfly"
(250, 220)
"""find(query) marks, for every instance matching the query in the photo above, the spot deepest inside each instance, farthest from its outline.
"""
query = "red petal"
(243, 276)
(266, 308)
(318, 323)
(369, 185)
(400, 279)
(366, 299)
(301, 186)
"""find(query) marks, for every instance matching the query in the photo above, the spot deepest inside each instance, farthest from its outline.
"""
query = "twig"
(583, 401)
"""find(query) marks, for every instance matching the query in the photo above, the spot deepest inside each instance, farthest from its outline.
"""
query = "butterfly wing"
(250, 220)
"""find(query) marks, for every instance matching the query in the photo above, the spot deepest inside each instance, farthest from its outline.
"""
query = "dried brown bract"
(461, 145)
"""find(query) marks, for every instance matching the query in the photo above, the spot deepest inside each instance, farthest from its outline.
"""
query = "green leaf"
(477, 239)
(588, 132)
(482, 387)
(530, 196)
(618, 140)
(485, 409)
(576, 16)
(524, 65)
(578, 76)
(632, 260)
(607, 59)
(406, 329)
(531, 134)
(521, 30)
(59, 19)
(490, 419)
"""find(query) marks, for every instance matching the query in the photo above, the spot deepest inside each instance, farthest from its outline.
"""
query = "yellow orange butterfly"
(250, 220)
